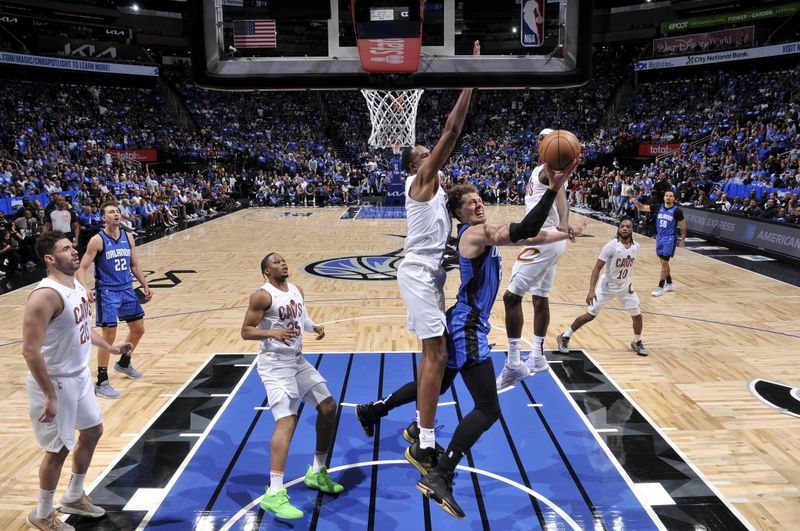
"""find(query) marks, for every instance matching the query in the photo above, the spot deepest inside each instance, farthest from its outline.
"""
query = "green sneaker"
(322, 481)
(279, 505)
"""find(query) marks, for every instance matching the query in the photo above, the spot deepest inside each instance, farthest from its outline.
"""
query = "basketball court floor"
(702, 434)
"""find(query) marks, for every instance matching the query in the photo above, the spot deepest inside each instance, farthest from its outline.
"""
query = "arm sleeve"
(308, 324)
(533, 220)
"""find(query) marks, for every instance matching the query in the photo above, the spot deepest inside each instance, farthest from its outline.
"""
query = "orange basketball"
(558, 149)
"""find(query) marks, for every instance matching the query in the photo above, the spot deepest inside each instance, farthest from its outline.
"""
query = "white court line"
(556, 509)
(607, 430)
(728, 503)
(220, 394)
(198, 444)
(190, 434)
(576, 391)
(263, 408)
(535, 405)
(155, 417)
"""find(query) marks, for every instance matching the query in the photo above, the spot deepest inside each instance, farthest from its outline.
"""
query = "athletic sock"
(124, 360)
(513, 351)
(636, 338)
(319, 461)
(45, 506)
(538, 346)
(660, 283)
(449, 460)
(669, 279)
(75, 487)
(427, 438)
(275, 481)
(568, 332)
(102, 374)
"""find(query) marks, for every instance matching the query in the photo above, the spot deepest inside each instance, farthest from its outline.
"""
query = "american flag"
(254, 34)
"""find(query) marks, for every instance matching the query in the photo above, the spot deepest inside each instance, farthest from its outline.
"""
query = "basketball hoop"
(393, 114)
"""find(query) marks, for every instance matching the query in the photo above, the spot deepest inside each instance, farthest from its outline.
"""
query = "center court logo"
(369, 267)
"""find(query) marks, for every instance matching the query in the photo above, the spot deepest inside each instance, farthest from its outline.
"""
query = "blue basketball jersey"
(667, 221)
(480, 278)
(112, 265)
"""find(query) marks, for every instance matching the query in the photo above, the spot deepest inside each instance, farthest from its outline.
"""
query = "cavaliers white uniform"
(420, 275)
(617, 278)
(287, 376)
(535, 268)
(66, 349)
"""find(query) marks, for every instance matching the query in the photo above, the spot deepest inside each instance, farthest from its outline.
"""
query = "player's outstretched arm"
(640, 206)
(427, 181)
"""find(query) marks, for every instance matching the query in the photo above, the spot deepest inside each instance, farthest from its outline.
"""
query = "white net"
(393, 114)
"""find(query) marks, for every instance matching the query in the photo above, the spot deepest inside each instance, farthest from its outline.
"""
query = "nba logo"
(532, 23)
(749, 231)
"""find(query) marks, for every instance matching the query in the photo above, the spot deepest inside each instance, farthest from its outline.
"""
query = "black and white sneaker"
(563, 344)
(438, 486)
(638, 348)
(367, 418)
(423, 459)
(411, 434)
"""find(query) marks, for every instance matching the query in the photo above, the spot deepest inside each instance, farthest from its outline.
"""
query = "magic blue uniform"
(667, 230)
(468, 320)
(114, 294)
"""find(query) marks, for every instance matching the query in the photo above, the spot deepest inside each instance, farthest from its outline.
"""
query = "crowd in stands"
(734, 131)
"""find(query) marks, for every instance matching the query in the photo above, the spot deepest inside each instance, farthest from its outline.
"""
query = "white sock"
(538, 346)
(275, 481)
(637, 338)
(319, 461)
(45, 506)
(75, 487)
(513, 352)
(568, 332)
(416, 418)
(427, 438)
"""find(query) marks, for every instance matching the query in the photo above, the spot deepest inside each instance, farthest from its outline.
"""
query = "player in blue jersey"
(113, 253)
(668, 220)
(468, 328)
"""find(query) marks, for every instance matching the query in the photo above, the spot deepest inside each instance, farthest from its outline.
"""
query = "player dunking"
(113, 252)
(533, 273)
(468, 327)
(668, 220)
(277, 316)
(57, 340)
(420, 275)
(616, 262)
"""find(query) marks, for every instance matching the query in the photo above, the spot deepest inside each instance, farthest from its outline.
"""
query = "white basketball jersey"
(618, 273)
(429, 226)
(286, 311)
(67, 344)
(534, 192)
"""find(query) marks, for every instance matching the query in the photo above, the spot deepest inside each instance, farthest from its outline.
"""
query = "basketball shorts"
(76, 409)
(289, 380)
(116, 305)
(628, 299)
(467, 342)
(665, 247)
(422, 289)
(535, 269)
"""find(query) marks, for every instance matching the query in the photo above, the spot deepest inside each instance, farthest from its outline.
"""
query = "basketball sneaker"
(128, 371)
(563, 344)
(367, 418)
(537, 363)
(669, 287)
(411, 434)
(48, 523)
(639, 348)
(104, 390)
(278, 504)
(321, 481)
(438, 486)
(511, 375)
(83, 506)
(423, 459)
(659, 291)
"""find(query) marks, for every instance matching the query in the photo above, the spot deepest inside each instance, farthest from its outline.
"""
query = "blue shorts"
(116, 305)
(467, 338)
(665, 247)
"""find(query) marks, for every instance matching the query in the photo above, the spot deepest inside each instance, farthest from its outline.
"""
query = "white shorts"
(535, 269)
(422, 289)
(627, 298)
(77, 409)
(290, 379)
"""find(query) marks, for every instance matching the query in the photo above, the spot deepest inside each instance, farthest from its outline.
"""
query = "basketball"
(558, 149)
